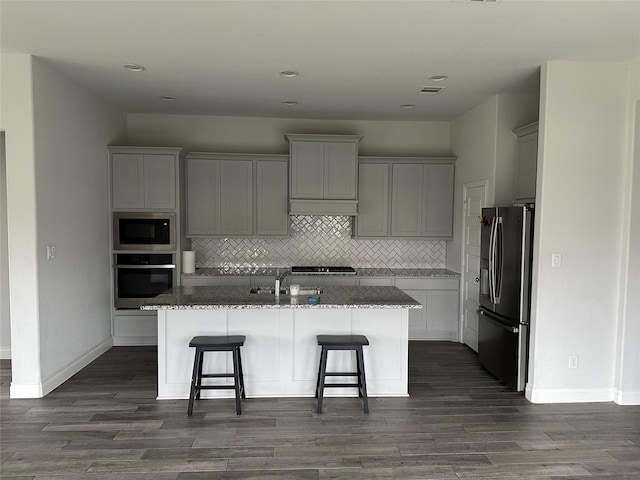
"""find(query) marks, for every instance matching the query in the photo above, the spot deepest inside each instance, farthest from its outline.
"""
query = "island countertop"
(208, 298)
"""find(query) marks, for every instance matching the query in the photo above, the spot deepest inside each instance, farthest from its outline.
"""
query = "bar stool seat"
(342, 342)
(222, 343)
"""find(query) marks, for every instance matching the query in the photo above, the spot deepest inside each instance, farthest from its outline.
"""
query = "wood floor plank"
(298, 474)
(459, 422)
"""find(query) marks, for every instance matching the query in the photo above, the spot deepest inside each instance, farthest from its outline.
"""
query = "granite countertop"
(364, 272)
(206, 298)
(406, 272)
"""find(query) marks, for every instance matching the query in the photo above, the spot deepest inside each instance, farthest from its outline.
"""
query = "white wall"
(485, 145)
(5, 318)
(473, 142)
(266, 135)
(17, 121)
(627, 379)
(580, 188)
(58, 195)
(513, 111)
(5, 315)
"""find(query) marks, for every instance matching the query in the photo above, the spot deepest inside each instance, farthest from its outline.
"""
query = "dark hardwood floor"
(104, 423)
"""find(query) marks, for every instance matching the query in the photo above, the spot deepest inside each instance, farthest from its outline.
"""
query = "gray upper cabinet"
(373, 200)
(407, 197)
(143, 178)
(407, 200)
(236, 194)
(236, 197)
(422, 200)
(307, 170)
(525, 169)
(323, 174)
(271, 198)
(203, 196)
(340, 170)
(438, 204)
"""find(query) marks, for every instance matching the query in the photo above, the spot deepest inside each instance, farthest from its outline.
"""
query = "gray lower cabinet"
(439, 297)
(236, 195)
(322, 280)
(131, 327)
(438, 318)
(405, 197)
(377, 281)
(216, 281)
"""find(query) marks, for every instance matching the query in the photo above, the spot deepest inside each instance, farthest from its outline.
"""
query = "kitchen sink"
(272, 291)
(267, 290)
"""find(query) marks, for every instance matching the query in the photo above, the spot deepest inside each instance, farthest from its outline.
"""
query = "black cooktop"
(320, 270)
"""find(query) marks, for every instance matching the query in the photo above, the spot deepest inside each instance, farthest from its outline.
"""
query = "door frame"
(466, 186)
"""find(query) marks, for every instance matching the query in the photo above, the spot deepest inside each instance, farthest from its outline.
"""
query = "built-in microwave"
(144, 231)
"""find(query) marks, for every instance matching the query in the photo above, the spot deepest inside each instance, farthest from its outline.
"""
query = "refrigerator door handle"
(499, 258)
(491, 263)
(498, 323)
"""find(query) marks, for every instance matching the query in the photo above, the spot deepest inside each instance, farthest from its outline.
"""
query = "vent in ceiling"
(431, 90)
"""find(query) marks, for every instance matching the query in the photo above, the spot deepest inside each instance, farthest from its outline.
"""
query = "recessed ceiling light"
(134, 67)
(408, 105)
(167, 98)
(290, 103)
(438, 78)
(289, 73)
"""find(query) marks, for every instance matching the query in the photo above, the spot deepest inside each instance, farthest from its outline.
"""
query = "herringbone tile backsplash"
(319, 240)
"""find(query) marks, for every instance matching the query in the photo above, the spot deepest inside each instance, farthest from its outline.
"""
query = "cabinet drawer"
(376, 281)
(427, 283)
(219, 281)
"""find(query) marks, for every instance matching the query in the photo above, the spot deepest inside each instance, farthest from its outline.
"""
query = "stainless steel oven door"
(136, 283)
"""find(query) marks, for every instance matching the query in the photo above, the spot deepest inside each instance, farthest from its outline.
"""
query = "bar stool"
(342, 342)
(230, 343)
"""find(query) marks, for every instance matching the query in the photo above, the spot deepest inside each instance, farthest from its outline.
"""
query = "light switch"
(51, 252)
(556, 260)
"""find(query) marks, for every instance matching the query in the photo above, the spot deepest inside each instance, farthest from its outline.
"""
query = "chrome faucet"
(279, 280)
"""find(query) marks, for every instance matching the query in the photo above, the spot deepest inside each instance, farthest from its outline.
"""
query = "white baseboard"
(627, 397)
(134, 341)
(5, 353)
(38, 390)
(568, 395)
(448, 335)
(25, 390)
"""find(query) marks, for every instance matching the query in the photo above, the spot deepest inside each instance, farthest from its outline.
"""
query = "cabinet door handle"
(477, 279)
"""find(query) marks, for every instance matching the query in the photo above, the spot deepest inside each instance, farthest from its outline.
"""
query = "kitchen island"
(280, 355)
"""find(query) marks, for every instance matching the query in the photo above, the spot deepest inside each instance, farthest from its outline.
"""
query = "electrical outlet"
(573, 361)
(51, 252)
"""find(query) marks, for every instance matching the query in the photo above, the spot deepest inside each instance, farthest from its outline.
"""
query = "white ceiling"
(357, 60)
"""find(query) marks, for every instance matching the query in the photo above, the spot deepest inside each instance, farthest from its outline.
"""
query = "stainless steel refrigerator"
(505, 292)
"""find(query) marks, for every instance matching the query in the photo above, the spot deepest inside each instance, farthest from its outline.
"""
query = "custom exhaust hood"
(323, 207)
(323, 176)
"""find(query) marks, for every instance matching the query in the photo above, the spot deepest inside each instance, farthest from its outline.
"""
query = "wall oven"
(144, 231)
(140, 277)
